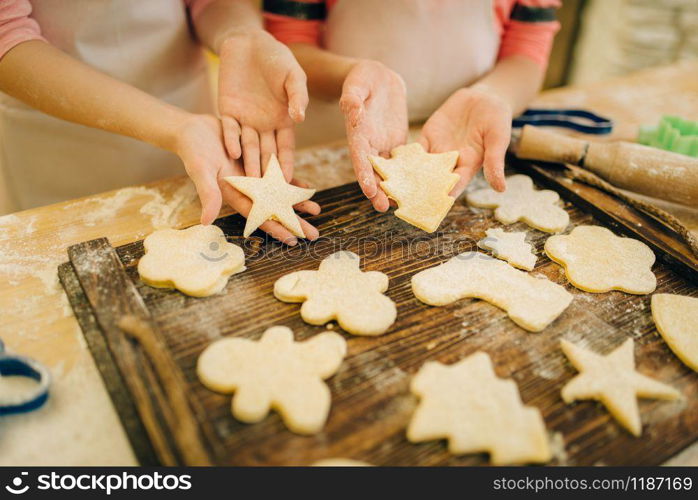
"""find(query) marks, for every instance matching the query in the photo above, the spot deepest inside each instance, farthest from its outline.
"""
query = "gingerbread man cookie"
(340, 290)
(275, 373)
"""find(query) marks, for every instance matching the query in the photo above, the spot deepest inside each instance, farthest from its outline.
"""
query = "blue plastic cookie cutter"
(20, 366)
(575, 119)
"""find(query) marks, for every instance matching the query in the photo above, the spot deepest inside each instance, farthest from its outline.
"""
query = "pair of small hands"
(262, 93)
(260, 104)
(473, 122)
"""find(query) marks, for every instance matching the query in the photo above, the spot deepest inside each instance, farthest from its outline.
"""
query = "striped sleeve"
(298, 21)
(528, 28)
(16, 25)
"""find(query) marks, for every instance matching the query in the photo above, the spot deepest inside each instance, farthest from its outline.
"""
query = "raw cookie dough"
(522, 202)
(340, 290)
(340, 462)
(532, 303)
(511, 247)
(612, 380)
(272, 198)
(676, 318)
(197, 261)
(596, 260)
(275, 373)
(467, 404)
(419, 182)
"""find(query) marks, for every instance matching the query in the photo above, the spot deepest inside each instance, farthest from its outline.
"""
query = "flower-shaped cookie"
(522, 202)
(197, 261)
(596, 260)
(275, 373)
(340, 290)
(476, 411)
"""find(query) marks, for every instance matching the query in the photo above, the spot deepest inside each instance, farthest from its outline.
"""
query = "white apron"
(144, 43)
(437, 46)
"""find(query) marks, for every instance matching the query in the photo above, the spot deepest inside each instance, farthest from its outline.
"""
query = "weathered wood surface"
(371, 402)
(112, 296)
(617, 214)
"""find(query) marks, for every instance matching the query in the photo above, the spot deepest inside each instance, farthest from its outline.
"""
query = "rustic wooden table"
(78, 426)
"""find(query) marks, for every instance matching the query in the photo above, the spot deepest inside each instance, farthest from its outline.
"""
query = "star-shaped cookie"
(197, 261)
(522, 202)
(511, 247)
(467, 404)
(272, 198)
(275, 373)
(612, 380)
(419, 182)
(340, 290)
(596, 260)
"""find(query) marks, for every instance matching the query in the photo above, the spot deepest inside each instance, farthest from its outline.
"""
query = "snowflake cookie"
(277, 373)
(511, 247)
(522, 202)
(419, 182)
(467, 404)
(596, 260)
(340, 290)
(196, 261)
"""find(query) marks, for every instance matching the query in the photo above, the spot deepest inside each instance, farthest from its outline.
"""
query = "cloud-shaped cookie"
(340, 290)
(275, 373)
(596, 260)
(197, 261)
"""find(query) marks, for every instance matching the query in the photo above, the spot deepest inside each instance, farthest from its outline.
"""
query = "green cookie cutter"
(672, 134)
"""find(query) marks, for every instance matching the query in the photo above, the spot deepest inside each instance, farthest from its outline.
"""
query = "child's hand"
(242, 205)
(375, 114)
(261, 93)
(200, 147)
(478, 126)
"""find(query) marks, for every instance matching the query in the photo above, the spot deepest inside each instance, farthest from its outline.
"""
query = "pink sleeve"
(15, 24)
(196, 6)
(527, 29)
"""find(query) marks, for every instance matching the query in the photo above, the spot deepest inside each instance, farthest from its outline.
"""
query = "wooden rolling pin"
(637, 168)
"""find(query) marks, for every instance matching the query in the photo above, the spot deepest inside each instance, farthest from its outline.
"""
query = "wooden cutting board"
(371, 403)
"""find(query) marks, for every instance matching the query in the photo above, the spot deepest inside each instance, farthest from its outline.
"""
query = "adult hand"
(262, 92)
(476, 124)
(375, 114)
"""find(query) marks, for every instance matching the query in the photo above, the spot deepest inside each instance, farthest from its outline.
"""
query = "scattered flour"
(14, 389)
(162, 213)
(19, 226)
(557, 446)
(15, 266)
(95, 210)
